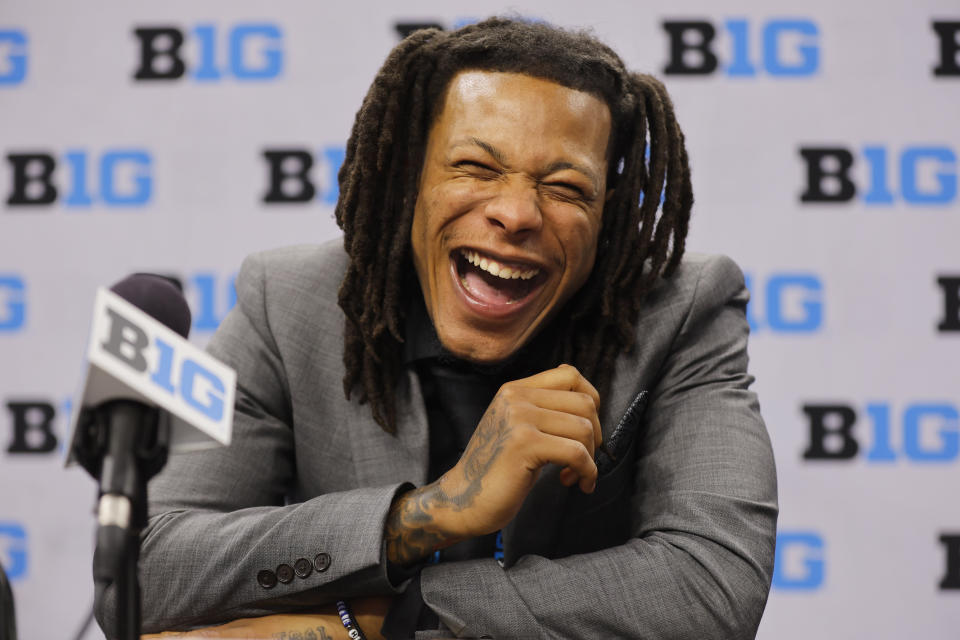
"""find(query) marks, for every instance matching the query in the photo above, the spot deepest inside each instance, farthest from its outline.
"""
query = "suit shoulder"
(698, 275)
(315, 265)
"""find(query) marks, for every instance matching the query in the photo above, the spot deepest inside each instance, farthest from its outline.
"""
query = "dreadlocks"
(639, 242)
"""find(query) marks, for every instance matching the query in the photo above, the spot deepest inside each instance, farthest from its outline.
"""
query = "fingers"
(576, 461)
(567, 424)
(574, 403)
(562, 378)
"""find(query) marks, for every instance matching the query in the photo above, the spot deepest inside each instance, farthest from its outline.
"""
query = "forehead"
(524, 105)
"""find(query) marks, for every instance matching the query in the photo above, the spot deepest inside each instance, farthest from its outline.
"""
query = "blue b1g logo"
(799, 561)
(13, 303)
(787, 48)
(81, 178)
(924, 175)
(13, 57)
(785, 302)
(13, 550)
(245, 52)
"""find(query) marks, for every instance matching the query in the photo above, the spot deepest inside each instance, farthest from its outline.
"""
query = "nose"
(515, 210)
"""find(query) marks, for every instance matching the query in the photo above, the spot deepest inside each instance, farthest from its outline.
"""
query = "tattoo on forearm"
(411, 533)
(317, 633)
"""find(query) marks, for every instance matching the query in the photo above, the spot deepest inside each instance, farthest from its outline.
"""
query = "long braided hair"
(640, 240)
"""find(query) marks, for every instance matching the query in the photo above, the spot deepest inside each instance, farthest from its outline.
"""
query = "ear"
(609, 195)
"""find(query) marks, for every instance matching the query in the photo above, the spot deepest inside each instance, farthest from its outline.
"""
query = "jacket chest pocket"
(602, 519)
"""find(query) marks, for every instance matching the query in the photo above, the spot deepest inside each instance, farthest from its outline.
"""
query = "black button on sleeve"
(267, 579)
(321, 562)
(302, 567)
(284, 573)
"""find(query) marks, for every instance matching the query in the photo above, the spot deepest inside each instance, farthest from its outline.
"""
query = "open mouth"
(496, 283)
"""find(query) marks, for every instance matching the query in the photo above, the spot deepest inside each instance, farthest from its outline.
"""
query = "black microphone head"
(157, 296)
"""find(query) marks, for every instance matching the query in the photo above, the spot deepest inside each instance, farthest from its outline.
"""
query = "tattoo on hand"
(411, 533)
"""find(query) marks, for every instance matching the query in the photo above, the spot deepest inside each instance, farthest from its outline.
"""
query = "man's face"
(509, 208)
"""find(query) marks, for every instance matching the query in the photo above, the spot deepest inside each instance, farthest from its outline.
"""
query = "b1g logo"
(951, 575)
(32, 426)
(292, 178)
(13, 550)
(213, 295)
(245, 52)
(785, 303)
(927, 175)
(923, 432)
(80, 178)
(950, 287)
(948, 36)
(799, 562)
(13, 57)
(13, 303)
(787, 48)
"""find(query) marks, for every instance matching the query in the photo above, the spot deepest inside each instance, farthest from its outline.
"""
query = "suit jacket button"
(321, 562)
(302, 567)
(284, 573)
(267, 579)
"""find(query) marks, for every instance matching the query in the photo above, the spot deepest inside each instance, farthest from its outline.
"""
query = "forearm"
(202, 568)
(323, 624)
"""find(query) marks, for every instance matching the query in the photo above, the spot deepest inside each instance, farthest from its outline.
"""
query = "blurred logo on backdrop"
(950, 289)
(245, 52)
(743, 48)
(13, 550)
(13, 57)
(913, 175)
(799, 561)
(80, 178)
(951, 573)
(297, 175)
(785, 302)
(33, 425)
(948, 41)
(877, 433)
(13, 303)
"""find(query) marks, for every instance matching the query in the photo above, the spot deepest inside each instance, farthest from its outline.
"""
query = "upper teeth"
(495, 268)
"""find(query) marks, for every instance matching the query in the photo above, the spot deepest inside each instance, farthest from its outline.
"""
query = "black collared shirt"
(456, 393)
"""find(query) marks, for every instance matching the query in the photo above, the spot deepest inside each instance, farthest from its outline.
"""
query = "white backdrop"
(169, 175)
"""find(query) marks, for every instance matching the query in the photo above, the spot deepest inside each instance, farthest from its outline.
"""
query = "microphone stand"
(122, 443)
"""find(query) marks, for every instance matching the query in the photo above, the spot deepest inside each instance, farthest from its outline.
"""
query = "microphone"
(146, 390)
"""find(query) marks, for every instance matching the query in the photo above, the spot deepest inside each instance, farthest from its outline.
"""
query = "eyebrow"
(559, 165)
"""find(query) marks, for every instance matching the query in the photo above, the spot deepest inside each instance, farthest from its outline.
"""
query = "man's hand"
(550, 417)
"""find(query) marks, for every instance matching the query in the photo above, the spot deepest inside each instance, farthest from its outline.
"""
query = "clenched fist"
(550, 417)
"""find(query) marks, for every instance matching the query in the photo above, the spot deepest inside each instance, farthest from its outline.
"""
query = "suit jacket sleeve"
(205, 544)
(700, 559)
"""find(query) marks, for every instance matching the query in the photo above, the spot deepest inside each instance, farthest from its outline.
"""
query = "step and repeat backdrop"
(824, 139)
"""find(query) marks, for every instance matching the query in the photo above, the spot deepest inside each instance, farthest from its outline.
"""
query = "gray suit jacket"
(677, 541)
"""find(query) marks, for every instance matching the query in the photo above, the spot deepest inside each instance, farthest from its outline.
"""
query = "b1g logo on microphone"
(799, 562)
(297, 175)
(948, 39)
(915, 175)
(923, 432)
(13, 303)
(81, 178)
(785, 302)
(777, 47)
(245, 52)
(13, 550)
(131, 353)
(13, 57)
